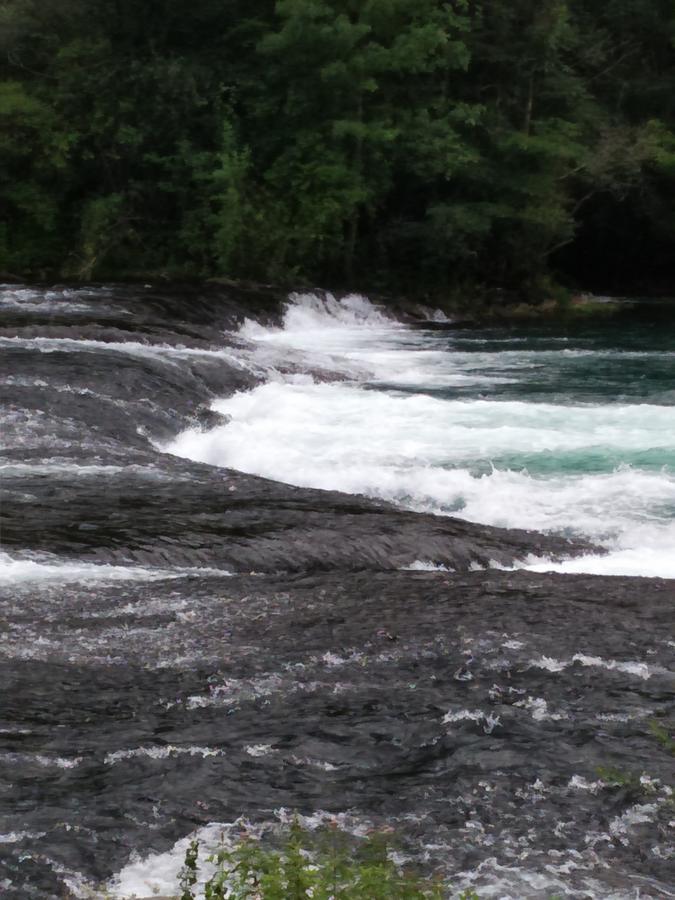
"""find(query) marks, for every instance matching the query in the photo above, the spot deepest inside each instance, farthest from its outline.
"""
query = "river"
(572, 433)
(265, 555)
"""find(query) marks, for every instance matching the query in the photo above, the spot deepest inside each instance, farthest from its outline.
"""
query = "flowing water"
(569, 433)
(457, 634)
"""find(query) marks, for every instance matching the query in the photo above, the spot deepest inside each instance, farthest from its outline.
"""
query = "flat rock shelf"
(186, 648)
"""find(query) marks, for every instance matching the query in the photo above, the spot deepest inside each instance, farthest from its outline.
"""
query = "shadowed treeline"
(398, 145)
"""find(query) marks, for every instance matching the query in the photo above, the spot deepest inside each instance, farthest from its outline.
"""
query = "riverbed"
(266, 555)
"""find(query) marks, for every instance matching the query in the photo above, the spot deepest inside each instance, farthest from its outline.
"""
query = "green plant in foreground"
(322, 866)
(614, 776)
(188, 875)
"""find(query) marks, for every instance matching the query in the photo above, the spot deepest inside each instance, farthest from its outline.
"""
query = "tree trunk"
(528, 106)
(353, 224)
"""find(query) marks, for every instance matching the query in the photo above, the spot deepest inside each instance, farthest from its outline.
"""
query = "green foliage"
(229, 182)
(323, 866)
(620, 778)
(102, 228)
(419, 146)
(188, 875)
(662, 735)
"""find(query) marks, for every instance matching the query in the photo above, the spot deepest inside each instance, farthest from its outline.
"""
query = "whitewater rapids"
(436, 424)
(266, 556)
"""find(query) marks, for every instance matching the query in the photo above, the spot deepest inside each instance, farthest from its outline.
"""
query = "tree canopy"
(411, 145)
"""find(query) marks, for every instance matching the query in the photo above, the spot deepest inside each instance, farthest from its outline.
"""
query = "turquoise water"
(565, 430)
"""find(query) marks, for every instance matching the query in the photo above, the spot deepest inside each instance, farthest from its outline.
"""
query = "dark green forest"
(407, 145)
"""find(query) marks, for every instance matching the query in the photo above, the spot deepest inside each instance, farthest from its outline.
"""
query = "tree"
(414, 146)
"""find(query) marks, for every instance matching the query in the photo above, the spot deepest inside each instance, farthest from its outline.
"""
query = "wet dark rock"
(297, 664)
(207, 418)
(217, 517)
(473, 710)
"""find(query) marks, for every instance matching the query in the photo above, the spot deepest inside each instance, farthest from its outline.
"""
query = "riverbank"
(476, 307)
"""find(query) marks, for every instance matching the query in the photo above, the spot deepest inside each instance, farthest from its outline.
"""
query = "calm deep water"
(253, 564)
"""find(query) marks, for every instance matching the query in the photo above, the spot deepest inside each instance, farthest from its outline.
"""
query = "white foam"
(353, 335)
(314, 763)
(538, 709)
(639, 669)
(473, 715)
(164, 352)
(533, 878)
(158, 873)
(27, 299)
(620, 826)
(530, 876)
(14, 837)
(64, 468)
(167, 752)
(579, 783)
(488, 720)
(421, 565)
(421, 452)
(233, 690)
(40, 759)
(309, 317)
(389, 427)
(16, 571)
(549, 663)
(639, 561)
(436, 453)
(334, 660)
(257, 750)
(629, 667)
(433, 453)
